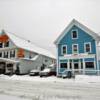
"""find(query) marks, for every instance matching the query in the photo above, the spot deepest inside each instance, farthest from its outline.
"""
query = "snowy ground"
(50, 88)
(8, 97)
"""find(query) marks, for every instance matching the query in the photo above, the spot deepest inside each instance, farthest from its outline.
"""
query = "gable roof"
(27, 45)
(81, 26)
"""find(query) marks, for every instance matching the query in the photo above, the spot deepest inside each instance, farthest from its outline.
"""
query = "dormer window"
(74, 34)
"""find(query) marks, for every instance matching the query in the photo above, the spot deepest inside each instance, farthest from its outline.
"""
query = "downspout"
(97, 58)
(57, 69)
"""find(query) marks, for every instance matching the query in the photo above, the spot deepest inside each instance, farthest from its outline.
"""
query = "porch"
(78, 64)
(7, 66)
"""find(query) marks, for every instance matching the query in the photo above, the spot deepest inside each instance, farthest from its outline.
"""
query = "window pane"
(6, 54)
(0, 45)
(89, 64)
(75, 48)
(6, 44)
(12, 53)
(74, 34)
(87, 47)
(0, 54)
(64, 49)
(63, 65)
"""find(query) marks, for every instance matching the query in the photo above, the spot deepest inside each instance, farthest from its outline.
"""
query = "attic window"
(74, 34)
(6, 44)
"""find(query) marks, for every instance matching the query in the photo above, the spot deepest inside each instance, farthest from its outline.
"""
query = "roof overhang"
(8, 60)
(81, 26)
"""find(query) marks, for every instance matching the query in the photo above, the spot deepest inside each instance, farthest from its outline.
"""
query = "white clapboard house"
(18, 54)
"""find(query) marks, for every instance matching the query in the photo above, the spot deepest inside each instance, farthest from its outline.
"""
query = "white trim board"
(78, 56)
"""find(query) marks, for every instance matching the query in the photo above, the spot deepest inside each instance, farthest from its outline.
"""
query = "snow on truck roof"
(27, 45)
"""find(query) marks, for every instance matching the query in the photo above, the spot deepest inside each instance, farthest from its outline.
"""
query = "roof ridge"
(28, 42)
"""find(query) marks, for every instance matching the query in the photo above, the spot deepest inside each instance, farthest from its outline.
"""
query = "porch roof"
(8, 60)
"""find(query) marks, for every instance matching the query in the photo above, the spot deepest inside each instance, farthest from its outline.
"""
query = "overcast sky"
(41, 21)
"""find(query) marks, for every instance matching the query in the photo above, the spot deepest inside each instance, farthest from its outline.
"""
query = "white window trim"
(73, 49)
(72, 33)
(85, 47)
(62, 49)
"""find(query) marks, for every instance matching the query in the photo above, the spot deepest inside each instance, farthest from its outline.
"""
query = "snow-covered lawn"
(78, 78)
(50, 88)
(9, 97)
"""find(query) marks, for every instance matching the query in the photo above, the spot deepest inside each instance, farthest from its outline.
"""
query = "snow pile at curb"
(87, 78)
(78, 78)
(35, 78)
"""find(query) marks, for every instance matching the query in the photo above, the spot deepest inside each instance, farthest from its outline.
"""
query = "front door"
(2, 67)
(76, 67)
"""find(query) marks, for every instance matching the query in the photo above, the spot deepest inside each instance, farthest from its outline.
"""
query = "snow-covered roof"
(81, 26)
(27, 45)
(35, 58)
(9, 60)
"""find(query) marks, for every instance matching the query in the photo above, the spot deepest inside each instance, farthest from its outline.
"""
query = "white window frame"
(73, 49)
(62, 49)
(72, 33)
(85, 47)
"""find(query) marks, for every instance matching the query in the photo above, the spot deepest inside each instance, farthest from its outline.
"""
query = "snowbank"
(78, 78)
(9, 97)
(87, 78)
(35, 78)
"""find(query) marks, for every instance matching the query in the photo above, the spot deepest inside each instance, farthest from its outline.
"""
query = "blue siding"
(89, 59)
(83, 37)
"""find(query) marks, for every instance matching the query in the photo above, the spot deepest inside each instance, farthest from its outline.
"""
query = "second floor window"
(6, 44)
(88, 47)
(75, 48)
(12, 53)
(0, 54)
(6, 54)
(64, 49)
(1, 45)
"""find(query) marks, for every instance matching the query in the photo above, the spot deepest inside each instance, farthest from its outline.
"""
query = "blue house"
(78, 50)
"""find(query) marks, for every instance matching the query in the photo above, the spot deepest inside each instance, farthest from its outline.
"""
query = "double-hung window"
(64, 49)
(12, 53)
(87, 47)
(74, 34)
(75, 48)
(6, 44)
(1, 44)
